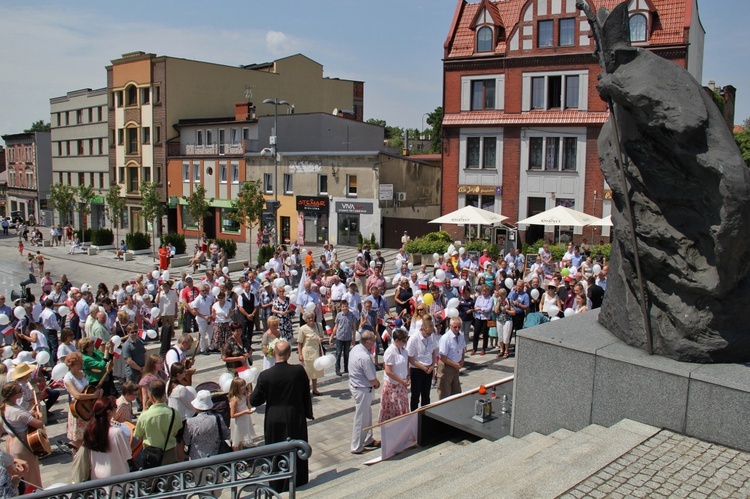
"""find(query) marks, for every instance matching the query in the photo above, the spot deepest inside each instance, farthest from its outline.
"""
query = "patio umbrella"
(606, 221)
(470, 215)
(561, 216)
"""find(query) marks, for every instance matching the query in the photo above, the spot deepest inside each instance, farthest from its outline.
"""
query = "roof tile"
(499, 118)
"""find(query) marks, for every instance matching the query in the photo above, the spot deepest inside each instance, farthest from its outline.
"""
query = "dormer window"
(484, 39)
(638, 28)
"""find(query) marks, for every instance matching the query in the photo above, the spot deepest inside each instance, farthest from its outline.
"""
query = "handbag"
(224, 447)
(152, 456)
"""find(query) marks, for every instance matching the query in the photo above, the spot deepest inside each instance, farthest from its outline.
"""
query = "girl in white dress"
(241, 425)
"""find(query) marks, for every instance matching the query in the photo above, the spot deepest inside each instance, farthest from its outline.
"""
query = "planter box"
(104, 248)
(146, 251)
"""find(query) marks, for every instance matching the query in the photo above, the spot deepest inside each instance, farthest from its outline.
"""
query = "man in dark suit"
(285, 389)
(595, 293)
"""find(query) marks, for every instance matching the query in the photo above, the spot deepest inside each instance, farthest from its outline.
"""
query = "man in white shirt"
(353, 298)
(422, 350)
(338, 290)
(167, 301)
(178, 353)
(201, 309)
(362, 380)
(48, 318)
(452, 349)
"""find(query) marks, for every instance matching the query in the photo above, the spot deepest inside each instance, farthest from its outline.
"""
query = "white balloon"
(221, 280)
(155, 312)
(569, 311)
(63, 310)
(7, 352)
(254, 372)
(165, 275)
(59, 371)
(268, 265)
(4, 320)
(323, 290)
(435, 256)
(446, 256)
(342, 264)
(225, 270)
(225, 381)
(397, 263)
(555, 318)
(129, 289)
(535, 294)
(552, 310)
(246, 375)
(279, 282)
(19, 312)
(288, 289)
(440, 274)
(461, 251)
(358, 336)
(372, 264)
(294, 272)
(597, 269)
(409, 265)
(451, 248)
(310, 307)
(42, 357)
(319, 363)
(116, 341)
(215, 291)
(452, 303)
(152, 334)
(155, 274)
(238, 290)
(509, 283)
(150, 288)
(85, 287)
(462, 283)
(451, 312)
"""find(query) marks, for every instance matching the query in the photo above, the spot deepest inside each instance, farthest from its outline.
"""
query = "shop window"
(227, 224)
(187, 219)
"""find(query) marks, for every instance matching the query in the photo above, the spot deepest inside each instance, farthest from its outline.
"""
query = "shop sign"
(385, 192)
(312, 204)
(354, 207)
(479, 189)
(97, 200)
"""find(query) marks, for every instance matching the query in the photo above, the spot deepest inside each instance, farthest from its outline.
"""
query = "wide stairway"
(533, 466)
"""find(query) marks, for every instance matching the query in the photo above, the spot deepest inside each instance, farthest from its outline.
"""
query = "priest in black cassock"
(285, 389)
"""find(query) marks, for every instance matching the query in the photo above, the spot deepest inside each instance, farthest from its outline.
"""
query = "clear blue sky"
(48, 48)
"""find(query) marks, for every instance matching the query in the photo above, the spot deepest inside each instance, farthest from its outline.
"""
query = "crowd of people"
(93, 343)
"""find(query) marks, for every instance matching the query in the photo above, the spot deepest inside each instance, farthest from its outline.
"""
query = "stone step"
(555, 468)
(402, 463)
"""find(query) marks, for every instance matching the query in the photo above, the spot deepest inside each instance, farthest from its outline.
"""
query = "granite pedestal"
(573, 372)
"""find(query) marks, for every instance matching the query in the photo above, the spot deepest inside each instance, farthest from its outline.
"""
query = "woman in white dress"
(241, 425)
(267, 342)
(110, 449)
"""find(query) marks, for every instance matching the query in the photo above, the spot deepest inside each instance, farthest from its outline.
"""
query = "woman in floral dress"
(394, 398)
(280, 309)
(221, 316)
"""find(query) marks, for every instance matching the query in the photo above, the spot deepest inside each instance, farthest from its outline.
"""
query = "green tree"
(393, 135)
(198, 206)
(435, 120)
(115, 208)
(743, 142)
(248, 206)
(61, 199)
(38, 126)
(152, 208)
(85, 195)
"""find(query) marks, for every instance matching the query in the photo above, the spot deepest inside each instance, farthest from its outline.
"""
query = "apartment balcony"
(177, 149)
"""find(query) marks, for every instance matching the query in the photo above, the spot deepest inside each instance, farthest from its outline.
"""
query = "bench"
(179, 260)
(236, 265)
(91, 251)
(129, 257)
(47, 243)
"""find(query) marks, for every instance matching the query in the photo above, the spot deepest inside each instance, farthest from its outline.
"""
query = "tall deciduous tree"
(152, 208)
(85, 195)
(435, 120)
(38, 126)
(248, 207)
(115, 207)
(61, 199)
(198, 206)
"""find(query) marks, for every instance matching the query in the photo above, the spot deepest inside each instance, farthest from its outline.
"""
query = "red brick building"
(522, 114)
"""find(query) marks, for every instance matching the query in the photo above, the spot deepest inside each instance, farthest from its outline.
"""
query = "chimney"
(712, 85)
(244, 111)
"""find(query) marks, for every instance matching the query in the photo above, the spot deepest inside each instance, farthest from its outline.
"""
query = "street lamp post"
(422, 137)
(273, 139)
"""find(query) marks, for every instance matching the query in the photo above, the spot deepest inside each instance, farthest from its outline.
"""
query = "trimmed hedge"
(102, 237)
(230, 247)
(265, 253)
(86, 238)
(178, 240)
(558, 250)
(433, 242)
(138, 241)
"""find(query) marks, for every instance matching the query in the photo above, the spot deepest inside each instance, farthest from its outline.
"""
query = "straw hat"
(22, 370)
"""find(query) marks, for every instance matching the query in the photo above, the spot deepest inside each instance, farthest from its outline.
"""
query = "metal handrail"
(247, 472)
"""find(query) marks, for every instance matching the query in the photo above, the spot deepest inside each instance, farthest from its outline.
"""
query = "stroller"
(219, 398)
